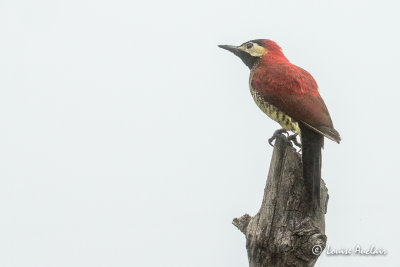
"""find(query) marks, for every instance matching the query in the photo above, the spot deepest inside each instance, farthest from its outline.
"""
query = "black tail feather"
(312, 143)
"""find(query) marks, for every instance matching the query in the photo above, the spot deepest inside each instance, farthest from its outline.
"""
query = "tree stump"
(287, 230)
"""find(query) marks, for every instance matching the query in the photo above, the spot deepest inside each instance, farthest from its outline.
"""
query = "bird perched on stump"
(289, 95)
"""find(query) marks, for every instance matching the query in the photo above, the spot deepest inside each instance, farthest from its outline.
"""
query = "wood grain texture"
(286, 228)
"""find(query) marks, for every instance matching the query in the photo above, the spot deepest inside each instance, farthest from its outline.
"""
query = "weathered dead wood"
(287, 230)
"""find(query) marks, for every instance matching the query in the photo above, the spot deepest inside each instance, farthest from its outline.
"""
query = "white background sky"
(128, 138)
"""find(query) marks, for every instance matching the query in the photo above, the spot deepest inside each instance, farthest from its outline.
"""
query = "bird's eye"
(249, 45)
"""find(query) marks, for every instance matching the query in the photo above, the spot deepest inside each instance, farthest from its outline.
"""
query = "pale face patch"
(253, 49)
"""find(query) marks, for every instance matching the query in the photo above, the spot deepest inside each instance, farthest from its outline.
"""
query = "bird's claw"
(293, 139)
(276, 134)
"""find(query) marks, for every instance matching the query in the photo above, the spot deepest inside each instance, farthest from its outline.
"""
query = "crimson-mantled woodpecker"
(289, 95)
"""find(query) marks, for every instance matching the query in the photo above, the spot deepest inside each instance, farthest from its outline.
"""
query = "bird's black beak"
(232, 48)
(249, 60)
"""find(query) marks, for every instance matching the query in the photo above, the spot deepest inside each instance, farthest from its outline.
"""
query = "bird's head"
(256, 51)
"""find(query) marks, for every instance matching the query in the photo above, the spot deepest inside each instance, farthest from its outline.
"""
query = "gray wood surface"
(287, 230)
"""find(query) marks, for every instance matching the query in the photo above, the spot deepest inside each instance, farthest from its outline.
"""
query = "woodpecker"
(289, 95)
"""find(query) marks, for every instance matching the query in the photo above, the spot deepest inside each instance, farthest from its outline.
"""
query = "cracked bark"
(287, 230)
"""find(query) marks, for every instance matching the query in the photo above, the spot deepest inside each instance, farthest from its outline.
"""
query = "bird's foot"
(276, 134)
(293, 139)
